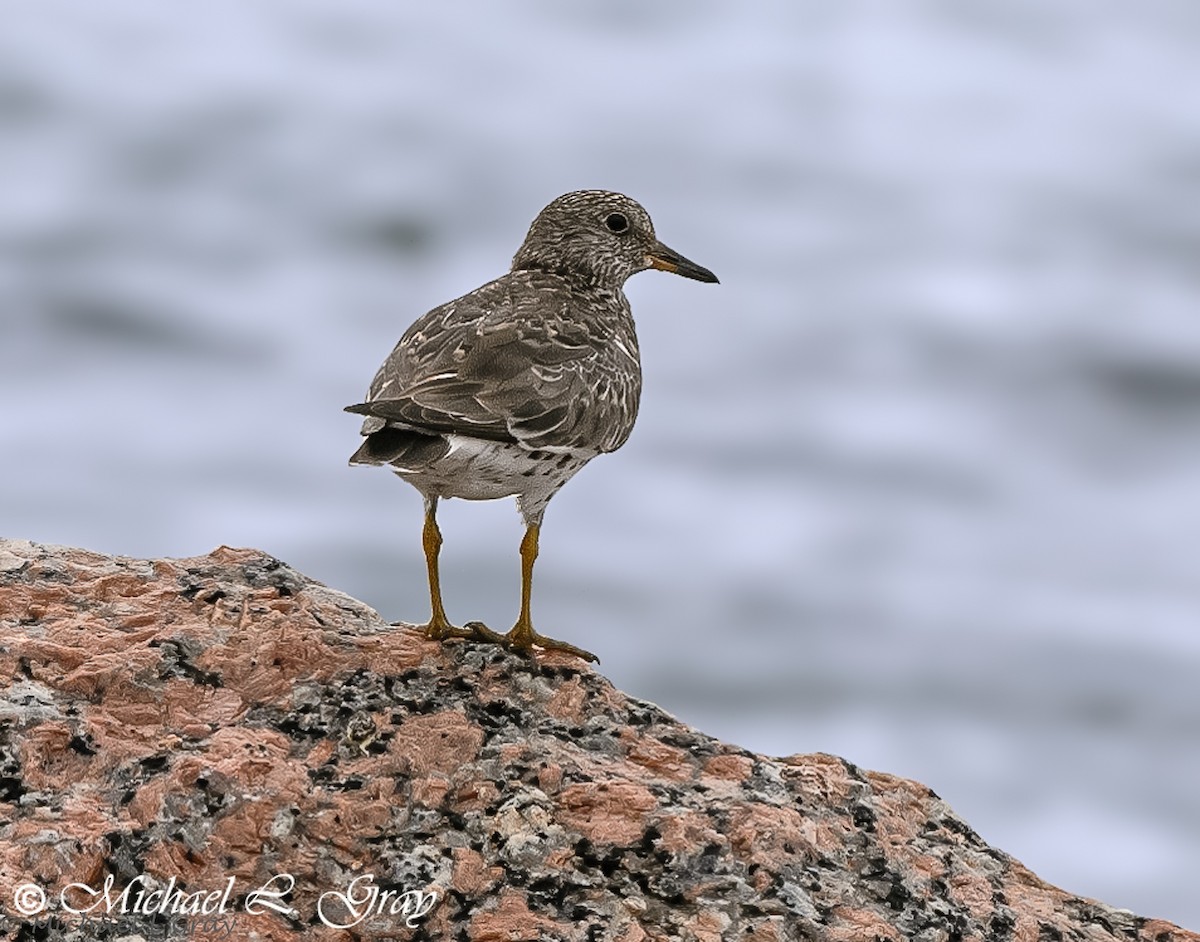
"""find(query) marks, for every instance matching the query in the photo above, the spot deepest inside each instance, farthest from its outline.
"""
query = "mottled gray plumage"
(512, 388)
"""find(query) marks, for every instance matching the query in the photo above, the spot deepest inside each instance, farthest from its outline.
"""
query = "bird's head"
(601, 236)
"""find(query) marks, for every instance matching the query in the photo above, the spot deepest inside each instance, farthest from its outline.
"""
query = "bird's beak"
(665, 259)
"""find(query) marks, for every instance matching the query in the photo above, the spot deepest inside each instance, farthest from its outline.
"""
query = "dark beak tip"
(698, 273)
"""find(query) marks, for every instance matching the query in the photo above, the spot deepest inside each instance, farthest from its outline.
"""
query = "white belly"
(476, 469)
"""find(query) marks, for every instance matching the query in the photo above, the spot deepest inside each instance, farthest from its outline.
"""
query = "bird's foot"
(481, 632)
(439, 629)
(524, 639)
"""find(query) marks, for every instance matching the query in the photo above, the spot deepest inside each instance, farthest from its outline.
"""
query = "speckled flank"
(225, 716)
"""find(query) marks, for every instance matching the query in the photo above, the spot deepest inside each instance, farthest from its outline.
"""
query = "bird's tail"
(401, 448)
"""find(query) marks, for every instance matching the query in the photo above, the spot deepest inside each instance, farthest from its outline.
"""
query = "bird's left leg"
(522, 636)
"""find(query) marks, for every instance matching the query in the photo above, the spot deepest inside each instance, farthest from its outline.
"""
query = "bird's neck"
(576, 278)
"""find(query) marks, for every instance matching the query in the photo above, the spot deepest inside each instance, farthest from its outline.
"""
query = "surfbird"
(512, 388)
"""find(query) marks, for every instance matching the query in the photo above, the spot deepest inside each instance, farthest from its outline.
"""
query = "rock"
(208, 732)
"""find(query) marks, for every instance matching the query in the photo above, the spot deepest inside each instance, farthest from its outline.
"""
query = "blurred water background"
(916, 485)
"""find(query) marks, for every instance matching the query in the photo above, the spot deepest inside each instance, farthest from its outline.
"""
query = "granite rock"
(253, 755)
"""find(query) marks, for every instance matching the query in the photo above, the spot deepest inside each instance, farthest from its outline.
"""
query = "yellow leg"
(522, 636)
(529, 554)
(439, 626)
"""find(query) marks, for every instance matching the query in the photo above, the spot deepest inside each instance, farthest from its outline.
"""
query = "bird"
(510, 389)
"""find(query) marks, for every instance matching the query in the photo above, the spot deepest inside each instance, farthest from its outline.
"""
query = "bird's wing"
(510, 363)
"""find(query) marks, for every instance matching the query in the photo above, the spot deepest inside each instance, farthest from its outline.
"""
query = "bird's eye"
(616, 222)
